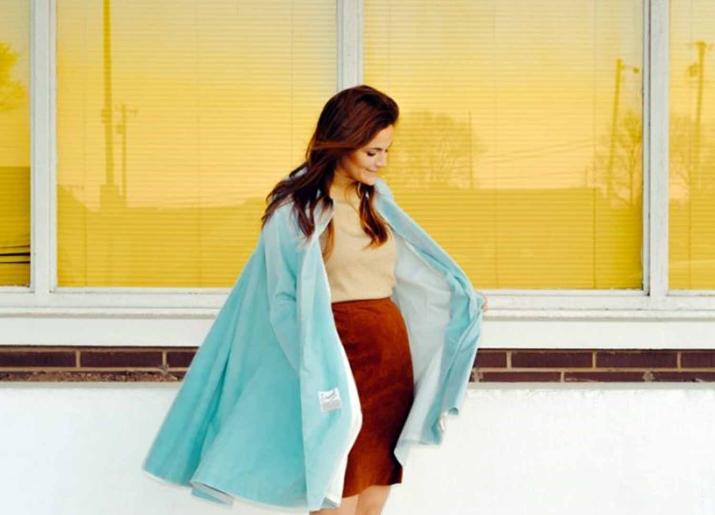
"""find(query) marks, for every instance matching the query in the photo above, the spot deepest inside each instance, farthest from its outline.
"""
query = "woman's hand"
(486, 302)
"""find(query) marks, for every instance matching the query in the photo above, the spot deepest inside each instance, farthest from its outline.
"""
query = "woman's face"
(364, 164)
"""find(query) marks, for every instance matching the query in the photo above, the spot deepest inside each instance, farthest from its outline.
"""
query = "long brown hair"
(348, 121)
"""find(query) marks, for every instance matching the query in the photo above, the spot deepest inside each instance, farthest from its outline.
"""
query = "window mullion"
(350, 28)
(42, 214)
(656, 148)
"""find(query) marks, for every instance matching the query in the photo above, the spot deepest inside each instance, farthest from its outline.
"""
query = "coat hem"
(212, 493)
(227, 497)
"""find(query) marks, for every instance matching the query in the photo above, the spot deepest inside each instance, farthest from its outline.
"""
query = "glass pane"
(175, 119)
(14, 143)
(692, 144)
(519, 144)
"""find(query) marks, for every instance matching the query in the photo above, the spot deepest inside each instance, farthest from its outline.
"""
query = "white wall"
(526, 449)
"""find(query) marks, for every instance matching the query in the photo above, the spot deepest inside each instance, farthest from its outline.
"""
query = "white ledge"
(492, 314)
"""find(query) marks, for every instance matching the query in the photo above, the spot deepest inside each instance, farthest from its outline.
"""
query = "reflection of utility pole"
(694, 176)
(614, 123)
(122, 130)
(107, 109)
(108, 194)
(697, 70)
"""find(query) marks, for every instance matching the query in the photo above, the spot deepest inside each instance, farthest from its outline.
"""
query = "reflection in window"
(14, 144)
(692, 144)
(174, 121)
(519, 144)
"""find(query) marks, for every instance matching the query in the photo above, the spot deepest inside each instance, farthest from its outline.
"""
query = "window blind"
(14, 144)
(175, 119)
(519, 144)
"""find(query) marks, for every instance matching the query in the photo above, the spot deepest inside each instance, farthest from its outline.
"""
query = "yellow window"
(14, 143)
(174, 121)
(692, 145)
(519, 144)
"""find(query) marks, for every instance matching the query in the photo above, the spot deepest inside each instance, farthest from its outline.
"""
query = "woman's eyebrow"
(380, 148)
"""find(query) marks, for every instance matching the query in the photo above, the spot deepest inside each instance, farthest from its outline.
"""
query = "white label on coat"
(329, 400)
(443, 422)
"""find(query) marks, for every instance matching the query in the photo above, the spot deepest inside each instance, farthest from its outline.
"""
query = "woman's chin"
(369, 178)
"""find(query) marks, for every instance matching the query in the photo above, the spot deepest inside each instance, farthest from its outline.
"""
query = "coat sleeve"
(280, 248)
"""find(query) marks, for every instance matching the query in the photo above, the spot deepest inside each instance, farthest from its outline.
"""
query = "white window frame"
(653, 317)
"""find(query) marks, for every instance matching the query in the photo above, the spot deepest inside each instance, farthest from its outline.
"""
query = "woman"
(348, 337)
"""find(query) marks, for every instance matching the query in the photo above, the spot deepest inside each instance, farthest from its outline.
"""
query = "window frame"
(45, 314)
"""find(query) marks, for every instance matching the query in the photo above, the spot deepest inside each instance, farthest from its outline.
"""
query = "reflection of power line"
(566, 179)
(524, 154)
(579, 141)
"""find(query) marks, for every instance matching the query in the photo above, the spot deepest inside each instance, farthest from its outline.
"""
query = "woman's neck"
(343, 187)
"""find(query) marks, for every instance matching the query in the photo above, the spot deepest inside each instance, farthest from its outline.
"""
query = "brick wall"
(121, 364)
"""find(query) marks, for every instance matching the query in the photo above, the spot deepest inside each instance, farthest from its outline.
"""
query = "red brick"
(180, 358)
(685, 376)
(120, 358)
(490, 359)
(605, 376)
(551, 359)
(697, 359)
(642, 359)
(43, 358)
(497, 376)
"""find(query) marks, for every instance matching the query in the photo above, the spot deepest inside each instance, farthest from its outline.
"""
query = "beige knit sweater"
(356, 272)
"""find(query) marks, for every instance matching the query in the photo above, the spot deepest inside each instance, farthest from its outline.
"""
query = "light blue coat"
(268, 410)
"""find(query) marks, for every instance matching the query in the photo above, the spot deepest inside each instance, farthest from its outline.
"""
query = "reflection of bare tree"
(692, 181)
(679, 154)
(12, 92)
(437, 151)
(617, 168)
(707, 163)
(682, 155)
(619, 163)
(630, 141)
(692, 156)
(615, 120)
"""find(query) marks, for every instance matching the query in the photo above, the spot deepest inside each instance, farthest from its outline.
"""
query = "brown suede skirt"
(374, 336)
